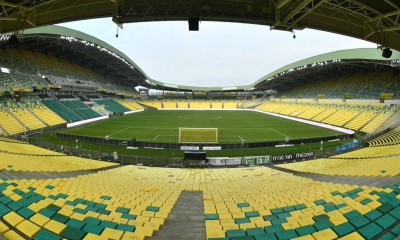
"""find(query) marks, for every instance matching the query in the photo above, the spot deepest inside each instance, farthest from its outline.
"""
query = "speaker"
(386, 53)
(194, 23)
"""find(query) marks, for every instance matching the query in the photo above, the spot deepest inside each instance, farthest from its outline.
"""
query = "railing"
(175, 161)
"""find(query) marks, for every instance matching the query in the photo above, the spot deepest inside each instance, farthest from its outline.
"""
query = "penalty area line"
(280, 133)
(119, 131)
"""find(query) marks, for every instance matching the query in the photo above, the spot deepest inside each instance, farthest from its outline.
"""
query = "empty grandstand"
(309, 151)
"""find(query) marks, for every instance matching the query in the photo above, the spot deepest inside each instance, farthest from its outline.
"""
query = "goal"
(198, 135)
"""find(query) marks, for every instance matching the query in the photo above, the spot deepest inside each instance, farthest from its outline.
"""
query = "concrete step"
(186, 220)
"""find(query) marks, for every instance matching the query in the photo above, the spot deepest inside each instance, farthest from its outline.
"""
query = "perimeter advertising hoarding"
(348, 146)
(212, 148)
(257, 160)
(190, 148)
(291, 157)
(224, 161)
(221, 161)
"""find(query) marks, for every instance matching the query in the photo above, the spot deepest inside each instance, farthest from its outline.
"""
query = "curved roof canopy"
(328, 65)
(373, 20)
(83, 49)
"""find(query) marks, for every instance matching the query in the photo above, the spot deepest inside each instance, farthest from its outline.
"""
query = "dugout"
(195, 159)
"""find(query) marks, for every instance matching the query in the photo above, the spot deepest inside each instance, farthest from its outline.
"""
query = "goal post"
(198, 135)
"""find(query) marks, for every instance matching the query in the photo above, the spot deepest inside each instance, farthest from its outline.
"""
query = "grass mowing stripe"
(145, 126)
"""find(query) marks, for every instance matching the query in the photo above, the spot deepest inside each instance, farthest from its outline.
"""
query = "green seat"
(26, 212)
(267, 236)
(305, 230)
(242, 220)
(388, 236)
(276, 210)
(370, 231)
(373, 215)
(286, 235)
(75, 223)
(123, 210)
(60, 218)
(384, 208)
(152, 209)
(321, 218)
(93, 220)
(255, 231)
(105, 197)
(289, 209)
(242, 205)
(211, 216)
(235, 233)
(322, 225)
(3, 210)
(396, 213)
(252, 214)
(343, 229)
(385, 221)
(126, 228)
(128, 216)
(43, 234)
(108, 224)
(273, 228)
(396, 230)
(270, 217)
(242, 238)
(359, 221)
(92, 228)
(47, 212)
(80, 210)
(73, 233)
(15, 206)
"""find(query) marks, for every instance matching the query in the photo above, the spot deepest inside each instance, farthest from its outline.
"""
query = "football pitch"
(233, 127)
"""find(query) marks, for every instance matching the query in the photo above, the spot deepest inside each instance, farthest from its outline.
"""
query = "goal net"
(198, 135)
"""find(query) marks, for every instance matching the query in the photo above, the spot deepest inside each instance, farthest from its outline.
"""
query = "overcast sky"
(220, 54)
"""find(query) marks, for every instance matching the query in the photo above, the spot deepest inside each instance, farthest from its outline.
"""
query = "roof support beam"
(315, 5)
(281, 3)
(296, 10)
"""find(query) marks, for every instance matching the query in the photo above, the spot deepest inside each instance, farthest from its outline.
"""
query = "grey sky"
(220, 54)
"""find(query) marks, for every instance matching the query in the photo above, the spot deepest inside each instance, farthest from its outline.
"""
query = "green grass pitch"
(233, 126)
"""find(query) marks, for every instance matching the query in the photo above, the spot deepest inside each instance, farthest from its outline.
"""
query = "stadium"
(91, 147)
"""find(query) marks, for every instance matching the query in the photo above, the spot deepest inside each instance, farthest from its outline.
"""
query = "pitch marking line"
(120, 131)
(279, 133)
(156, 137)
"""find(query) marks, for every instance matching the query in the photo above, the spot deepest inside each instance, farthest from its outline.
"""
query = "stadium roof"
(101, 57)
(327, 65)
(372, 20)
(84, 50)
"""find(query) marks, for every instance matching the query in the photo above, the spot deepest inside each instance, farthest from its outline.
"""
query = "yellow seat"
(145, 231)
(91, 236)
(3, 227)
(306, 237)
(13, 219)
(326, 234)
(133, 236)
(352, 236)
(13, 235)
(109, 233)
(28, 228)
(215, 233)
(39, 219)
(55, 227)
